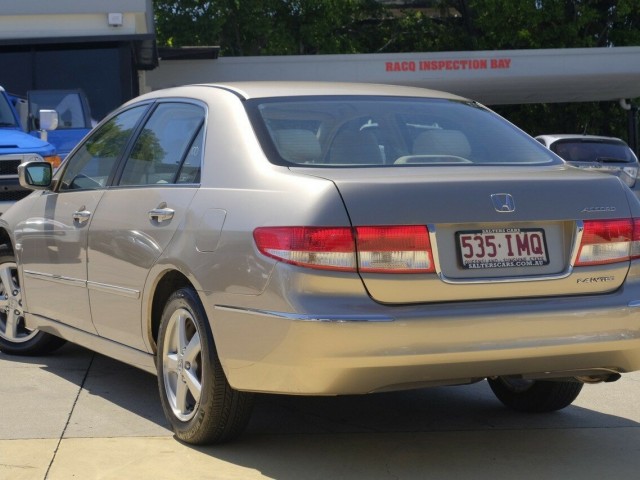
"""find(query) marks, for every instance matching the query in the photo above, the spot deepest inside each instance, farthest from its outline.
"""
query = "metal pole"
(633, 128)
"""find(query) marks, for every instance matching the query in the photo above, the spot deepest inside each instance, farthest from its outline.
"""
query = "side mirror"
(35, 175)
(48, 119)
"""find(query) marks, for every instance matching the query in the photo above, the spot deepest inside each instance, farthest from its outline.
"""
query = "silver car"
(596, 153)
(323, 239)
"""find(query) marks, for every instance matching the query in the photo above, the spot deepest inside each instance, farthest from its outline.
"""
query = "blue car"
(16, 147)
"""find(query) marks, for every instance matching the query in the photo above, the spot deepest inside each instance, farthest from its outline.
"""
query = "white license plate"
(502, 248)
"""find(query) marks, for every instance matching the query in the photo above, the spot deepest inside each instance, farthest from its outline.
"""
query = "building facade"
(100, 46)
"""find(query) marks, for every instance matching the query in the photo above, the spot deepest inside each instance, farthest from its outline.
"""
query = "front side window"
(92, 164)
(6, 113)
(166, 152)
(388, 132)
(72, 111)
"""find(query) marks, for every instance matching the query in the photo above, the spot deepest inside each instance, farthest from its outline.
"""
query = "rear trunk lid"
(496, 232)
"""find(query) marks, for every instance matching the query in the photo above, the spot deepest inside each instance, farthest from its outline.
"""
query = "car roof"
(267, 89)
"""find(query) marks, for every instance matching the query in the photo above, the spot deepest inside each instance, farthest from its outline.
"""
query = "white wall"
(69, 18)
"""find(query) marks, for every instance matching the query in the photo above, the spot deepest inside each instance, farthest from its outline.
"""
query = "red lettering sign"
(449, 64)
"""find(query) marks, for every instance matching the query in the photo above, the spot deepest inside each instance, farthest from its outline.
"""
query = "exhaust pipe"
(593, 379)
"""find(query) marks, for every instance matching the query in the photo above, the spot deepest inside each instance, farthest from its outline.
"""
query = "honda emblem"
(503, 203)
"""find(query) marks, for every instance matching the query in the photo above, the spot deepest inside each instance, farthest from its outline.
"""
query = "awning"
(491, 77)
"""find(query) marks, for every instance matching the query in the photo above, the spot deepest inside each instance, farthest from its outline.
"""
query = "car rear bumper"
(393, 348)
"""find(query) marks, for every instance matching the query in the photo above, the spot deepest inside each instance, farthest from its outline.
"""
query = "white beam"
(491, 77)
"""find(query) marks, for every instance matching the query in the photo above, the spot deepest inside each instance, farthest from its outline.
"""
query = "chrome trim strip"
(76, 282)
(576, 243)
(306, 318)
(634, 304)
(431, 228)
(103, 287)
(538, 278)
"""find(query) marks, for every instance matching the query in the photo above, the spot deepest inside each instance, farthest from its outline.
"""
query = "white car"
(592, 152)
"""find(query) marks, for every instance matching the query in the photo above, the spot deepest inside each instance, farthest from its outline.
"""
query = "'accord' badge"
(503, 202)
(598, 209)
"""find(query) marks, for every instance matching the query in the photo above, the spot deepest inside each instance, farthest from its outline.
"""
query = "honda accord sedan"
(323, 239)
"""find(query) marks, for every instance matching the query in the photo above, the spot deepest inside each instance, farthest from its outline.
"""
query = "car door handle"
(161, 214)
(81, 216)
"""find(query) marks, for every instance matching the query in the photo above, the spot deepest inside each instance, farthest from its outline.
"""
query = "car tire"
(197, 399)
(15, 337)
(535, 396)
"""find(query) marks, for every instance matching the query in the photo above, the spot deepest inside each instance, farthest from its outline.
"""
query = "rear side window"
(168, 148)
(190, 170)
(388, 132)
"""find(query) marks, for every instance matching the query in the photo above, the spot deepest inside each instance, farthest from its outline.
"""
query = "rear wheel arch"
(196, 397)
(171, 281)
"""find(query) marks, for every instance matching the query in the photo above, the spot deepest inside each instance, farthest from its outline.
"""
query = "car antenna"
(586, 126)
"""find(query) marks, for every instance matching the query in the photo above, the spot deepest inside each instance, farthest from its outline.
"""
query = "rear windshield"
(388, 131)
(593, 151)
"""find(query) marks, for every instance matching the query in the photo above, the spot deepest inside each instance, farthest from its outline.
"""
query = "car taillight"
(385, 249)
(330, 248)
(609, 241)
(394, 249)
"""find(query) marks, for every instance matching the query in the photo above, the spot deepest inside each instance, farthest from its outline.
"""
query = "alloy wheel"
(12, 324)
(182, 364)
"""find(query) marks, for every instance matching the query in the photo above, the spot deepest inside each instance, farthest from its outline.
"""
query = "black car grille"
(9, 167)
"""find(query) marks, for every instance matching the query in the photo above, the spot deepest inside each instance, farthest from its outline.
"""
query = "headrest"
(442, 142)
(297, 145)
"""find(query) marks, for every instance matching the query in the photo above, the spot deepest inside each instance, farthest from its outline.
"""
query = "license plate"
(502, 248)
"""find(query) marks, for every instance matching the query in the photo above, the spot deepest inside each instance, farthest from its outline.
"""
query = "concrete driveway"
(81, 415)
